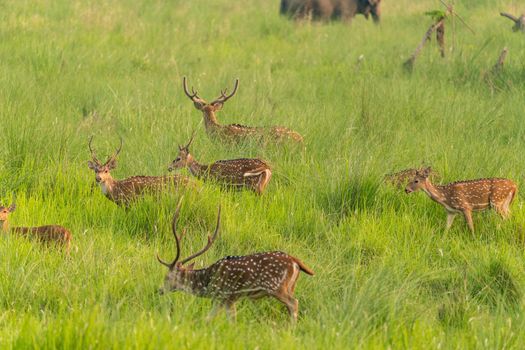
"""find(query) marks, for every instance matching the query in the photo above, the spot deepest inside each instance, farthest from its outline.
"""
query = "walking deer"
(48, 234)
(122, 192)
(237, 173)
(401, 178)
(254, 276)
(464, 197)
(235, 132)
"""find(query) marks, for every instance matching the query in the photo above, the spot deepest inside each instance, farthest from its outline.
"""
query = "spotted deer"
(48, 234)
(464, 197)
(401, 178)
(123, 192)
(253, 276)
(251, 173)
(235, 132)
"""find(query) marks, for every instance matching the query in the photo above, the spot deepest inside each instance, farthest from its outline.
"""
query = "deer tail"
(302, 266)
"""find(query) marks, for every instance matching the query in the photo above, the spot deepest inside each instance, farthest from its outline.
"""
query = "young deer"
(467, 196)
(237, 173)
(254, 276)
(122, 192)
(401, 178)
(235, 132)
(49, 234)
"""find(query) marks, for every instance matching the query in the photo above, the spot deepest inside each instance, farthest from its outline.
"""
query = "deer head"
(418, 182)
(5, 211)
(184, 158)
(204, 106)
(177, 276)
(102, 171)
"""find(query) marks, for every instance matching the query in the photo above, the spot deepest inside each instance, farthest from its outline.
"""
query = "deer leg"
(450, 219)
(468, 217)
(214, 311)
(291, 304)
(231, 311)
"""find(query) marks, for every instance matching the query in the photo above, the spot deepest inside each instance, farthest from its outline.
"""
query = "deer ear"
(198, 104)
(190, 266)
(217, 106)
(12, 208)
(112, 164)
(427, 171)
(91, 165)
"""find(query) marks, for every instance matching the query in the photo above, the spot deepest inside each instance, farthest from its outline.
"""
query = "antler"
(177, 239)
(211, 239)
(93, 154)
(189, 143)
(223, 98)
(194, 95)
(114, 156)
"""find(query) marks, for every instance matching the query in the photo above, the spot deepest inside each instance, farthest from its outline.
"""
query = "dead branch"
(501, 60)
(440, 37)
(519, 22)
(409, 64)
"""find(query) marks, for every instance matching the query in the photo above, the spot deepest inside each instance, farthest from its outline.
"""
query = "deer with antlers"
(235, 132)
(48, 234)
(240, 173)
(122, 192)
(464, 197)
(254, 276)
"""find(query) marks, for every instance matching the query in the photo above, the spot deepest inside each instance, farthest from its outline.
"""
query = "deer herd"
(256, 275)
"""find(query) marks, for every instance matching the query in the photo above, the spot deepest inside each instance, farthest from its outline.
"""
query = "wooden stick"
(501, 60)
(519, 22)
(409, 64)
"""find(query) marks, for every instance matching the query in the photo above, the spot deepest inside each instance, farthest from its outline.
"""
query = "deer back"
(252, 275)
(46, 234)
(478, 194)
(133, 187)
(235, 170)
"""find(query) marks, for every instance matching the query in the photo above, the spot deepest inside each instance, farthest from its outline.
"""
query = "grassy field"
(387, 274)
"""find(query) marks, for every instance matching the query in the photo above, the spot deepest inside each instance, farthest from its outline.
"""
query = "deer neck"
(5, 226)
(197, 281)
(196, 169)
(210, 120)
(436, 193)
(107, 185)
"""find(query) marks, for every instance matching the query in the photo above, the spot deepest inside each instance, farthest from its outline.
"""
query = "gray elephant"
(325, 10)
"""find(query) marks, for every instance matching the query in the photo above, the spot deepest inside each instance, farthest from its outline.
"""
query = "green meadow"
(388, 275)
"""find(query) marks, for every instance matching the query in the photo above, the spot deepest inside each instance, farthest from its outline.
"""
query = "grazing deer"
(401, 178)
(233, 277)
(467, 196)
(235, 132)
(237, 173)
(49, 234)
(122, 192)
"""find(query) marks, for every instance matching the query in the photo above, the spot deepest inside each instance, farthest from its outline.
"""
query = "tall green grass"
(387, 274)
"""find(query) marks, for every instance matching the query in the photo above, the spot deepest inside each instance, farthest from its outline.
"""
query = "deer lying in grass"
(401, 178)
(236, 132)
(237, 173)
(463, 197)
(49, 234)
(123, 192)
(254, 276)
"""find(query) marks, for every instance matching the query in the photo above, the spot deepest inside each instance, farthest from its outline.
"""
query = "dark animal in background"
(325, 10)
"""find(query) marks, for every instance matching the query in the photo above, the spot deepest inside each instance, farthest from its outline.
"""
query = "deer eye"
(178, 159)
(416, 181)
